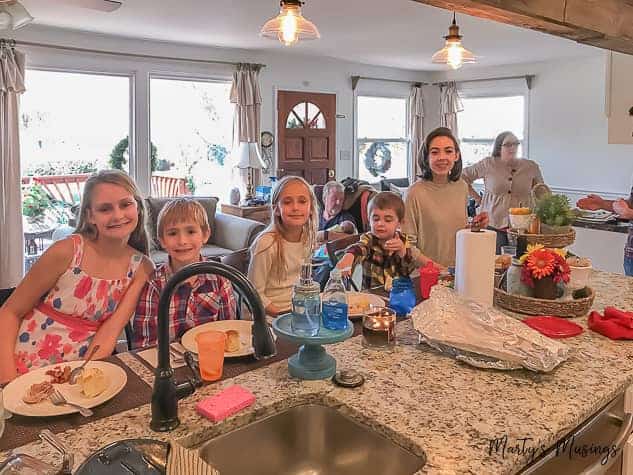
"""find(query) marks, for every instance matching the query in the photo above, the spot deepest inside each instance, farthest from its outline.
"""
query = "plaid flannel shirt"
(377, 263)
(628, 249)
(208, 298)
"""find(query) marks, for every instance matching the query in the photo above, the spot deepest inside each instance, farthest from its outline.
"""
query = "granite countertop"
(426, 402)
(614, 226)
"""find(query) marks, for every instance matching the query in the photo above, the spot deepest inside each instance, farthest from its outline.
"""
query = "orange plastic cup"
(211, 354)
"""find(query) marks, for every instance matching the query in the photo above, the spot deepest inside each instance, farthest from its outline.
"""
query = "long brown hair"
(277, 229)
(139, 239)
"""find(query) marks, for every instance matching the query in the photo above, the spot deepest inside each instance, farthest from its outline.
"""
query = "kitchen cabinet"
(605, 248)
(619, 100)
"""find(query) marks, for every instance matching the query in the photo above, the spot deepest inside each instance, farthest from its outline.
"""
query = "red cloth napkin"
(610, 325)
(622, 317)
(429, 275)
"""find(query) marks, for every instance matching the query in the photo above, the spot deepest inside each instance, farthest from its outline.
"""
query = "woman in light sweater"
(435, 206)
(508, 182)
(277, 253)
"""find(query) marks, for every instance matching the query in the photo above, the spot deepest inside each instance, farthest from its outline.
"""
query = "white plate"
(16, 389)
(359, 302)
(243, 327)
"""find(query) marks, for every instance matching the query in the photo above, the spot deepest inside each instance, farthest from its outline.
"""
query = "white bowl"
(520, 221)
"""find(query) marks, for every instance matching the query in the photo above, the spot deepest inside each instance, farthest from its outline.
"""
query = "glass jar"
(514, 285)
(402, 296)
(379, 328)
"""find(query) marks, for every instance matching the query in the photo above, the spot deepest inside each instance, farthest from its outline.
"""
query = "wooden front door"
(307, 135)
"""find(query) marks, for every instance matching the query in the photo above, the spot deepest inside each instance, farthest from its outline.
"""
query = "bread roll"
(232, 343)
(93, 382)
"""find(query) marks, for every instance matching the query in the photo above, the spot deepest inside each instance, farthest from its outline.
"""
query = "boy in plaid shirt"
(385, 250)
(183, 228)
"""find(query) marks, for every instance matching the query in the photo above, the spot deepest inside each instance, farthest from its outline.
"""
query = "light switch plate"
(345, 155)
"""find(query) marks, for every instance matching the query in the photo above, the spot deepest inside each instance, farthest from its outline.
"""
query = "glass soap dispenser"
(306, 304)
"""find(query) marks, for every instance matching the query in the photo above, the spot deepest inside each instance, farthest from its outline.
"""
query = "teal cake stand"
(311, 361)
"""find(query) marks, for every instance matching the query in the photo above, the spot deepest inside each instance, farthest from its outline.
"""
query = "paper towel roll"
(475, 264)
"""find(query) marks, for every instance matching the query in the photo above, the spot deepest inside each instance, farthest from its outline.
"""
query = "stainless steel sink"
(308, 440)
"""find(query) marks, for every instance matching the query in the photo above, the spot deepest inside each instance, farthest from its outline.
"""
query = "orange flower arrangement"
(540, 262)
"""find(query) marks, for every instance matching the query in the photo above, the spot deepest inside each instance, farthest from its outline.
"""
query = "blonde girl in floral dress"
(84, 289)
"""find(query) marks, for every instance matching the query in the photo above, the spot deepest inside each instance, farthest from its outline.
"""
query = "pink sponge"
(225, 403)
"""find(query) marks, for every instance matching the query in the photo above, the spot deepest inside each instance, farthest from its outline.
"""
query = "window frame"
(358, 141)
(489, 92)
(131, 98)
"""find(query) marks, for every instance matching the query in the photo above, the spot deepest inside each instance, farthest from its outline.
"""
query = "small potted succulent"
(544, 269)
(555, 214)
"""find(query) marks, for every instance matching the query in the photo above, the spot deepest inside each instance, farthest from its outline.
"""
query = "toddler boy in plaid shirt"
(385, 250)
(183, 228)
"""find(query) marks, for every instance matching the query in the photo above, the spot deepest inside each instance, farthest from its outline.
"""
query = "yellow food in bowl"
(520, 211)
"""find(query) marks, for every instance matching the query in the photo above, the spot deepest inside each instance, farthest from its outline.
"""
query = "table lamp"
(247, 157)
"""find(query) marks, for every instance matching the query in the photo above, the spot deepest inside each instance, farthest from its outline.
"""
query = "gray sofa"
(228, 233)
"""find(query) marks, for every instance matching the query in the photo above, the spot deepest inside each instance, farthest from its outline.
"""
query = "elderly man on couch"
(334, 223)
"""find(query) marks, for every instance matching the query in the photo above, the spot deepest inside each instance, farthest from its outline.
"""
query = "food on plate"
(232, 343)
(358, 304)
(520, 211)
(93, 382)
(38, 392)
(59, 374)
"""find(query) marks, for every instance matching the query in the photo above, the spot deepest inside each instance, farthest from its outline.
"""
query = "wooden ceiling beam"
(606, 24)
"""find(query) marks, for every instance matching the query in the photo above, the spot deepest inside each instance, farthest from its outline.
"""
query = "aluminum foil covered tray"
(483, 336)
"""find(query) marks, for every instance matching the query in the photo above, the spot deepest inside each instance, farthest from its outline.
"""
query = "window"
(383, 143)
(69, 125)
(191, 134)
(483, 118)
(306, 115)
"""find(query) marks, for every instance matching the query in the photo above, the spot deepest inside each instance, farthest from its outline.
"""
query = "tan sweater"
(434, 213)
(507, 185)
(263, 254)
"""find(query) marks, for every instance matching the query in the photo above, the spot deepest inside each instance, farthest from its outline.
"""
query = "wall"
(568, 133)
(285, 70)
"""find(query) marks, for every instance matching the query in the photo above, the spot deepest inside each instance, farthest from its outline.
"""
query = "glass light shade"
(290, 26)
(453, 54)
(247, 156)
(19, 17)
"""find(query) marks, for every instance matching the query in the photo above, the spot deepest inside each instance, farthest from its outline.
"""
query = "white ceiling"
(395, 33)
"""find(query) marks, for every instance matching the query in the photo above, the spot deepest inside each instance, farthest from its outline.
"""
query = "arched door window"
(305, 115)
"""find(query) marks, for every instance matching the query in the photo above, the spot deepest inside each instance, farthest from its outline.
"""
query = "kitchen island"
(428, 403)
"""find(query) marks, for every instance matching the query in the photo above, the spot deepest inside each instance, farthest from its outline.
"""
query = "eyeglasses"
(511, 144)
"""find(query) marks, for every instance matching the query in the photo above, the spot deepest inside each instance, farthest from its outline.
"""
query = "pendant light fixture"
(453, 53)
(290, 26)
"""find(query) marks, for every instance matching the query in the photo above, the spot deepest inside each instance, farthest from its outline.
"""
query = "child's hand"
(395, 246)
(345, 265)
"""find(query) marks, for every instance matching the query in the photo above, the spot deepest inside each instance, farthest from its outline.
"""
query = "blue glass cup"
(402, 296)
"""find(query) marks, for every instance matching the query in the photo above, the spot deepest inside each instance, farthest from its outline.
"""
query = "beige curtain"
(450, 105)
(246, 96)
(416, 127)
(11, 238)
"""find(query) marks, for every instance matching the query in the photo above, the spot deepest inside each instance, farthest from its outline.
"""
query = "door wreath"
(378, 158)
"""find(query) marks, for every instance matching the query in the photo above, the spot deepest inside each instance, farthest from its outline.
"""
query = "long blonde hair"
(139, 239)
(277, 229)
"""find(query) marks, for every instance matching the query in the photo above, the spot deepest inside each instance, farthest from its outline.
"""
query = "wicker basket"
(533, 306)
(547, 240)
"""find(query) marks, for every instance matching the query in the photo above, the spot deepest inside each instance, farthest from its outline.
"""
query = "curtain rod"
(355, 80)
(528, 79)
(116, 53)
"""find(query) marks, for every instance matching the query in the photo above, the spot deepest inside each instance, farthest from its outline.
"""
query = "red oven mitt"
(609, 327)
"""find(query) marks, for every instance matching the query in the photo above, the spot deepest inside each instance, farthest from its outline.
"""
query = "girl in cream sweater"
(277, 253)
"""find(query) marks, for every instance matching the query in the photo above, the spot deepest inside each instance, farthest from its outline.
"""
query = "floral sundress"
(62, 325)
